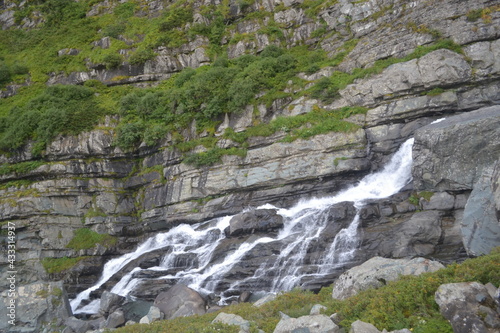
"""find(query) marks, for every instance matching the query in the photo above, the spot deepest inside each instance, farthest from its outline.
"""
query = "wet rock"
(312, 324)
(110, 302)
(259, 220)
(180, 301)
(134, 311)
(471, 302)
(377, 271)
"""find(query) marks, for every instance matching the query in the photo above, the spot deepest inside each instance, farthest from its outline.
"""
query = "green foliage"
(20, 168)
(125, 10)
(414, 199)
(191, 324)
(85, 238)
(114, 30)
(112, 60)
(57, 265)
(141, 56)
(474, 14)
(326, 89)
(212, 156)
(176, 18)
(58, 109)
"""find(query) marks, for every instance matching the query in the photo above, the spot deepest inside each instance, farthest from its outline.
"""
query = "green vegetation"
(58, 265)
(85, 238)
(200, 96)
(58, 109)
(327, 88)
(19, 168)
(414, 199)
(406, 303)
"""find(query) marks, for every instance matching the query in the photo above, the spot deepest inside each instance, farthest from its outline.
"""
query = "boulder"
(316, 309)
(472, 304)
(115, 319)
(361, 327)
(311, 324)
(153, 315)
(266, 299)
(232, 319)
(377, 271)
(134, 311)
(110, 302)
(75, 325)
(258, 220)
(481, 220)
(450, 155)
(180, 301)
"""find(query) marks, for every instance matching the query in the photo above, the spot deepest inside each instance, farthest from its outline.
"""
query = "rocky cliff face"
(450, 210)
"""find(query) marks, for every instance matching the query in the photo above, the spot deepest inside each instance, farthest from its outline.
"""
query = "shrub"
(112, 60)
(114, 30)
(58, 109)
(5, 74)
(129, 134)
(139, 57)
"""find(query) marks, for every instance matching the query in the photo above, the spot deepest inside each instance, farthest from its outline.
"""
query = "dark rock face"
(259, 220)
(180, 301)
(450, 155)
(481, 221)
(468, 307)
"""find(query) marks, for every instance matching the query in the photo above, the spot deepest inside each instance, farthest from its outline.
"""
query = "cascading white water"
(303, 225)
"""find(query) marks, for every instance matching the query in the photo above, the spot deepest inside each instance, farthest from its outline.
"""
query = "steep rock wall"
(87, 182)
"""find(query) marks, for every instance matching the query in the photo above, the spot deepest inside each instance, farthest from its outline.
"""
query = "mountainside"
(120, 120)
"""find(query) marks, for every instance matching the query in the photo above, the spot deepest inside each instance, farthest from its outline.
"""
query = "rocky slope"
(85, 182)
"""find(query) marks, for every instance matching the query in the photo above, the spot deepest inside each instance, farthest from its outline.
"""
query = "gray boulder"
(180, 301)
(481, 221)
(110, 302)
(231, 319)
(450, 155)
(153, 315)
(468, 307)
(316, 309)
(254, 221)
(311, 324)
(115, 319)
(375, 272)
(361, 327)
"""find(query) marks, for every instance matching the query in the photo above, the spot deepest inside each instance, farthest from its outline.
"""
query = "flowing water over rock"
(203, 257)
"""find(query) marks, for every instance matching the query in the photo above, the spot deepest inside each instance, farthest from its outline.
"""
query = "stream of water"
(303, 225)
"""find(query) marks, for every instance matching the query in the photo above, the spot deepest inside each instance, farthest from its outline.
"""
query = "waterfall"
(304, 224)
